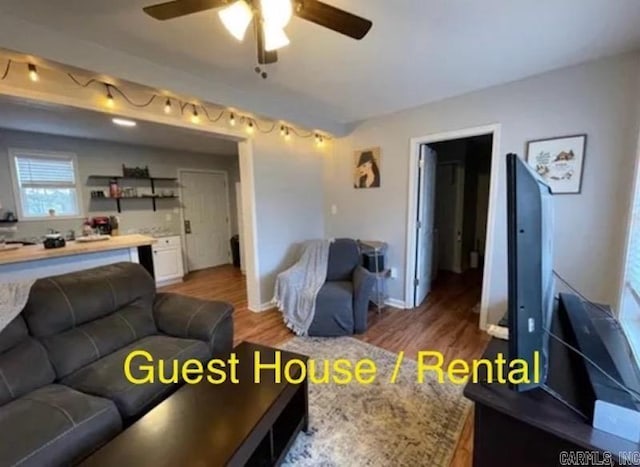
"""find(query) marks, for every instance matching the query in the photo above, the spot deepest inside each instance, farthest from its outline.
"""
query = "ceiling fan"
(271, 17)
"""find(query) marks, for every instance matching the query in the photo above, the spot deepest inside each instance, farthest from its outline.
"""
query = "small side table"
(380, 292)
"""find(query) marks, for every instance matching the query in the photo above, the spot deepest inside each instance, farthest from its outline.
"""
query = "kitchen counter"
(38, 252)
(34, 261)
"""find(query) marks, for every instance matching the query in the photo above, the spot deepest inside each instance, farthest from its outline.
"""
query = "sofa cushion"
(334, 310)
(11, 335)
(79, 346)
(106, 377)
(344, 257)
(55, 425)
(82, 316)
(23, 368)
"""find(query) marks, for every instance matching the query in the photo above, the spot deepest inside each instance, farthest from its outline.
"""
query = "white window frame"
(629, 299)
(19, 152)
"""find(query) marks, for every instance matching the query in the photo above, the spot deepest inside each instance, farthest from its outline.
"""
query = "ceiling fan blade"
(177, 8)
(333, 18)
(264, 57)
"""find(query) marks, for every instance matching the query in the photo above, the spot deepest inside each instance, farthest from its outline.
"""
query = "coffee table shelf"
(218, 425)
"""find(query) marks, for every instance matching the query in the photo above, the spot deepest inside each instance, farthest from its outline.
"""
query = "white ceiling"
(418, 51)
(68, 121)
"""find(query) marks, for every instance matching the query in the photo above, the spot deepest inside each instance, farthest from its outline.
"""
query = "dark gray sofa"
(343, 301)
(63, 392)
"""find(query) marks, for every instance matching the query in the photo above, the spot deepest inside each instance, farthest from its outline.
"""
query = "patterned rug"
(381, 424)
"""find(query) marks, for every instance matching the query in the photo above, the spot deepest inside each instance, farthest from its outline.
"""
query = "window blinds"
(34, 172)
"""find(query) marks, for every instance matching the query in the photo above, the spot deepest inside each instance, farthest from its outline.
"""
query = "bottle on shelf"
(114, 188)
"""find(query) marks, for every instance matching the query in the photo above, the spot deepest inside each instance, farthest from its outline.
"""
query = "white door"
(240, 225)
(426, 208)
(449, 204)
(205, 201)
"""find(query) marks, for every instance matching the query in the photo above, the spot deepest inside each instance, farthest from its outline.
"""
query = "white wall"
(597, 98)
(289, 203)
(102, 157)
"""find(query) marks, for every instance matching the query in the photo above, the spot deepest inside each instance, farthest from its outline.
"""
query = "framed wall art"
(559, 161)
(366, 168)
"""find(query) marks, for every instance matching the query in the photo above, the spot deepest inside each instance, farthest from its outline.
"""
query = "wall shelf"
(152, 181)
(8, 226)
(153, 199)
(120, 177)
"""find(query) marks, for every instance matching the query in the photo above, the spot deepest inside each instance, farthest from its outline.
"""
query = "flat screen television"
(530, 267)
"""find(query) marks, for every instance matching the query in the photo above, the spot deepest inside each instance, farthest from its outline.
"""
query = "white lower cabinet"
(167, 260)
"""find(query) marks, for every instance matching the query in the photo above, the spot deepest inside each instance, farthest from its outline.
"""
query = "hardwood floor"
(445, 323)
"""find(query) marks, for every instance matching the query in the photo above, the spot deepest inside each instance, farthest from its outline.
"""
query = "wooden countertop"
(38, 252)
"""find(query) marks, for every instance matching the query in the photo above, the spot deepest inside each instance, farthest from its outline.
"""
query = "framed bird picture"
(559, 162)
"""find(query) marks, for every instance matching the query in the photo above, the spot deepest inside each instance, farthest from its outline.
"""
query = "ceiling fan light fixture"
(236, 18)
(274, 38)
(276, 13)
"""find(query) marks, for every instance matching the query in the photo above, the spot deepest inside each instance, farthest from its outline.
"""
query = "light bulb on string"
(110, 100)
(195, 118)
(33, 73)
(232, 119)
(167, 107)
(250, 127)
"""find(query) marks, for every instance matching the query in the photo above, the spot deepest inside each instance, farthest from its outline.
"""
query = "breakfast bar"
(35, 261)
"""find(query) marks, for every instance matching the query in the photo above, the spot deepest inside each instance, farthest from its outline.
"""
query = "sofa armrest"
(193, 318)
(363, 282)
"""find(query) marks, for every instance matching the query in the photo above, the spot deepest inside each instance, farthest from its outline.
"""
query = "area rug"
(382, 424)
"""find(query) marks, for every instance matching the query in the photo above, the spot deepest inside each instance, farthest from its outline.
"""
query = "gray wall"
(289, 203)
(100, 157)
(598, 98)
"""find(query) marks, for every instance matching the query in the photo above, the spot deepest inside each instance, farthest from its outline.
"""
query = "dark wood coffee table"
(216, 425)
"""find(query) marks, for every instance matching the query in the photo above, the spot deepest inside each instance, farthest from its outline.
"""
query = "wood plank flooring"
(445, 322)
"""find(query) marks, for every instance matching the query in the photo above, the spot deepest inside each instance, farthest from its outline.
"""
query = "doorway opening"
(462, 182)
(452, 189)
(161, 145)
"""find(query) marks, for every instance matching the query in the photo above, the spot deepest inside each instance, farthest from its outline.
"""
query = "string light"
(251, 124)
(110, 100)
(195, 118)
(33, 73)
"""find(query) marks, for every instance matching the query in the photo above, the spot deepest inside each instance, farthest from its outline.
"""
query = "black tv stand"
(532, 429)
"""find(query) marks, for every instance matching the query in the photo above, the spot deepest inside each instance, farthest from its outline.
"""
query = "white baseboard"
(169, 282)
(264, 307)
(392, 302)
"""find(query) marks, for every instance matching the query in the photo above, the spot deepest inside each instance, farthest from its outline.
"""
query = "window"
(630, 303)
(45, 184)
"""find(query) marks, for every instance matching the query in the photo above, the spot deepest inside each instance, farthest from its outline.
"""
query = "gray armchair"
(343, 301)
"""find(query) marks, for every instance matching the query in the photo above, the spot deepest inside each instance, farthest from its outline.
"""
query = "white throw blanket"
(13, 298)
(298, 286)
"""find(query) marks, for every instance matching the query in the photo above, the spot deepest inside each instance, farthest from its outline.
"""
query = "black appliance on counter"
(102, 225)
(54, 240)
